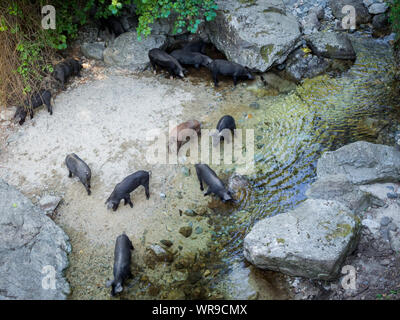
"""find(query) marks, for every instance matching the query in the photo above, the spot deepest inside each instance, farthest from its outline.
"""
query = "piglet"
(215, 185)
(122, 264)
(123, 189)
(76, 166)
(34, 101)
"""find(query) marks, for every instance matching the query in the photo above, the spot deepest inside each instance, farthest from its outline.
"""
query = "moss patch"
(342, 230)
(266, 52)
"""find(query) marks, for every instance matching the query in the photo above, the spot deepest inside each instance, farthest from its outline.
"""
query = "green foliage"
(188, 14)
(394, 17)
(27, 48)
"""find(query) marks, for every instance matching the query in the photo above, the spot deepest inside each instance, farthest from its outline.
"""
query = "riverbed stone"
(301, 65)
(250, 32)
(7, 114)
(377, 8)
(93, 50)
(362, 14)
(338, 187)
(130, 53)
(362, 163)
(48, 203)
(380, 25)
(186, 231)
(331, 45)
(310, 241)
(161, 254)
(31, 247)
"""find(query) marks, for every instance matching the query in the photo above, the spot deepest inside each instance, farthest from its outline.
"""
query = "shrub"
(394, 17)
(28, 51)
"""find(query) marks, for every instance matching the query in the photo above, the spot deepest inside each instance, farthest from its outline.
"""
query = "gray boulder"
(380, 25)
(256, 34)
(49, 203)
(310, 241)
(301, 65)
(339, 188)
(377, 8)
(362, 163)
(362, 15)
(33, 249)
(331, 45)
(128, 52)
(93, 50)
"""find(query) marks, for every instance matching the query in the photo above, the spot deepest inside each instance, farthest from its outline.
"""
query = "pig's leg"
(69, 174)
(128, 200)
(215, 78)
(153, 65)
(208, 192)
(199, 177)
(49, 107)
(31, 112)
(88, 190)
(147, 190)
(234, 80)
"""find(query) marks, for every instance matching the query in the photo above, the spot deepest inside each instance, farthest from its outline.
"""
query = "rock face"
(256, 34)
(310, 241)
(130, 53)
(32, 249)
(362, 15)
(362, 163)
(331, 45)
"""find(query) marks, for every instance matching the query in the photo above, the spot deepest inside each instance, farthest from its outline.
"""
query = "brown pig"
(174, 135)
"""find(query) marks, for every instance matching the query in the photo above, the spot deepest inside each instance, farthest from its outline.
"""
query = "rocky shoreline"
(351, 214)
(351, 218)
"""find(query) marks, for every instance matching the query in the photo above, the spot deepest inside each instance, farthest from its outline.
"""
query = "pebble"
(163, 195)
(198, 230)
(186, 231)
(392, 195)
(385, 262)
(254, 105)
(190, 213)
(385, 221)
(166, 243)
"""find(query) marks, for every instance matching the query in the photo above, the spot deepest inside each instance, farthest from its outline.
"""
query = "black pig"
(75, 66)
(163, 59)
(65, 69)
(113, 25)
(76, 166)
(191, 58)
(226, 122)
(227, 68)
(215, 185)
(196, 46)
(123, 189)
(122, 264)
(36, 100)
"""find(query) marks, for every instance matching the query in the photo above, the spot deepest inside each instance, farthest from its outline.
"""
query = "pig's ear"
(118, 288)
